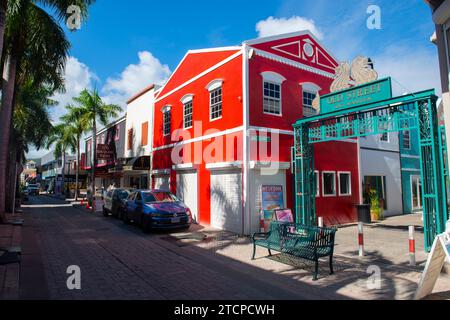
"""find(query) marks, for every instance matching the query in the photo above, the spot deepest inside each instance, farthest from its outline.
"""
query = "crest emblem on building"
(361, 71)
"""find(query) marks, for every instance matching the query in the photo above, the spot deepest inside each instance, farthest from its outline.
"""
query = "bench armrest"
(260, 235)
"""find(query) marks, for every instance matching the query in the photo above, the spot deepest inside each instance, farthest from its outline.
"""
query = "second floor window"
(144, 134)
(216, 103)
(188, 110)
(308, 98)
(272, 98)
(130, 139)
(167, 122)
(407, 139)
(384, 137)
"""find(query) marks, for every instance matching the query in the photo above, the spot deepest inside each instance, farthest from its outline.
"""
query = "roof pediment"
(301, 47)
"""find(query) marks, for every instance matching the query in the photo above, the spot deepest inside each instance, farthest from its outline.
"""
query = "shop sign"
(371, 92)
(105, 152)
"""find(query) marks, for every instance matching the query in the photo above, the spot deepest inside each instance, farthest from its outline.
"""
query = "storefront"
(136, 173)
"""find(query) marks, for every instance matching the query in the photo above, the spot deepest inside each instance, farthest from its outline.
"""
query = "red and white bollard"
(361, 239)
(412, 247)
(320, 222)
(262, 222)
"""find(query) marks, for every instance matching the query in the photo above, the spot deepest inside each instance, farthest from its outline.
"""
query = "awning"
(141, 163)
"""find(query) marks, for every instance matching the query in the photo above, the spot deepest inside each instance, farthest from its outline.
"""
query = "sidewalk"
(386, 249)
(10, 236)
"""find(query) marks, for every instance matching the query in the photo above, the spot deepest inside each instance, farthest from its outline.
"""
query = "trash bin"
(364, 213)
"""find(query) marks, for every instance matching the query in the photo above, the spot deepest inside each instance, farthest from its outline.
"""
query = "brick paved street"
(119, 261)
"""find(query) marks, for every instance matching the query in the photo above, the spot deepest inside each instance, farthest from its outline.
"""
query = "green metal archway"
(366, 110)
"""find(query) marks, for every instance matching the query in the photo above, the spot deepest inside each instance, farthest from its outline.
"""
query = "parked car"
(33, 189)
(156, 209)
(114, 202)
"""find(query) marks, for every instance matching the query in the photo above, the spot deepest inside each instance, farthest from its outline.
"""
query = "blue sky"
(126, 45)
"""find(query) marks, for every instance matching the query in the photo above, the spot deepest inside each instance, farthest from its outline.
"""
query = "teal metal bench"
(310, 243)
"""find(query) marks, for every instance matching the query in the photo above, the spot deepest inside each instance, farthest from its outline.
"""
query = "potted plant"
(375, 208)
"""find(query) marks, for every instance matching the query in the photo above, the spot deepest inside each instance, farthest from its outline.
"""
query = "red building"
(223, 130)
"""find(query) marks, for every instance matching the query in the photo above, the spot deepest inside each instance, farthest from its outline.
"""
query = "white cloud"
(134, 78)
(77, 78)
(273, 26)
(411, 70)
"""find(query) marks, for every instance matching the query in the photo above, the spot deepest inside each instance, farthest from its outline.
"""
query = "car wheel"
(145, 224)
(125, 218)
(105, 212)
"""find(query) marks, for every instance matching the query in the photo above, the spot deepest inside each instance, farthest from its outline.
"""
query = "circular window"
(308, 49)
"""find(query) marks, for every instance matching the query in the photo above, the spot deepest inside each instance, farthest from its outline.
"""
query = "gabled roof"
(194, 63)
(302, 47)
(140, 93)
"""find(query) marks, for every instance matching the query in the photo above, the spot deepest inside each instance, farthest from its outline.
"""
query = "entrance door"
(416, 192)
(187, 191)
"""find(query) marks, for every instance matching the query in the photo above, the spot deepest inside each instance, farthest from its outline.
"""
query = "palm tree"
(58, 7)
(94, 109)
(79, 125)
(31, 126)
(34, 44)
(63, 139)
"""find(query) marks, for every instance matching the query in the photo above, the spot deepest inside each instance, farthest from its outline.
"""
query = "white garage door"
(226, 205)
(162, 182)
(187, 190)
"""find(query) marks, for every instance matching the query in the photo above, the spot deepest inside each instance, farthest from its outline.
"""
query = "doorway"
(416, 193)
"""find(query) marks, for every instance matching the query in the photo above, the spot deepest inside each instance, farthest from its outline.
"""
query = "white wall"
(384, 161)
(140, 111)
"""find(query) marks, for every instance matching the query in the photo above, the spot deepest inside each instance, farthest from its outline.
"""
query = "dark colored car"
(33, 190)
(114, 202)
(156, 209)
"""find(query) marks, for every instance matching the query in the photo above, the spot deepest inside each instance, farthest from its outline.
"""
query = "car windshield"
(123, 194)
(159, 197)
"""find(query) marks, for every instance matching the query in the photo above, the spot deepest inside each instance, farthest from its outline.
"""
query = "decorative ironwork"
(415, 111)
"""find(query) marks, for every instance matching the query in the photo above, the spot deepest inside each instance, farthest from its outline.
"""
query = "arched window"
(215, 99)
(166, 120)
(310, 91)
(272, 83)
(188, 110)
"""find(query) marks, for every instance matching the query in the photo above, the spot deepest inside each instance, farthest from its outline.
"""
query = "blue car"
(156, 209)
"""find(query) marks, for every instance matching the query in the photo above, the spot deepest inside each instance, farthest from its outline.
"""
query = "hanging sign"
(436, 259)
(371, 92)
(105, 152)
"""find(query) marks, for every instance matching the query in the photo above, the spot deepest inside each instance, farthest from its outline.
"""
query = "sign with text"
(284, 215)
(105, 152)
(371, 92)
(272, 199)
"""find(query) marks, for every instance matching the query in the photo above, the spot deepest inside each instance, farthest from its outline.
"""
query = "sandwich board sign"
(439, 253)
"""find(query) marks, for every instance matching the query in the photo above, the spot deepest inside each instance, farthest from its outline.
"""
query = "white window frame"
(323, 184)
(349, 183)
(313, 89)
(166, 110)
(317, 173)
(388, 138)
(211, 106)
(277, 79)
(189, 98)
(280, 100)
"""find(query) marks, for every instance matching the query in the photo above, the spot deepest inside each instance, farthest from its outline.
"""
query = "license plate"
(176, 220)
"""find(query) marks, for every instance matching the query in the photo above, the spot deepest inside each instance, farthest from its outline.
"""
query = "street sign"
(371, 92)
(439, 253)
